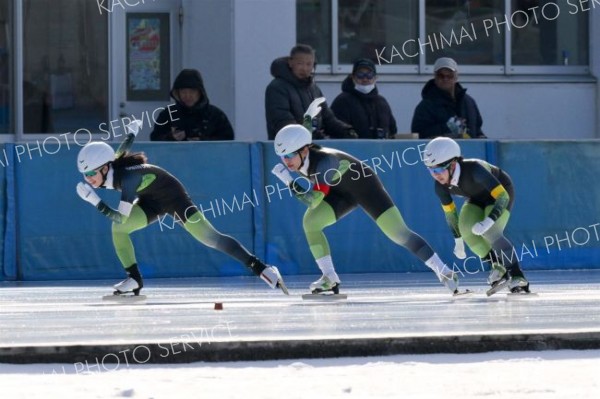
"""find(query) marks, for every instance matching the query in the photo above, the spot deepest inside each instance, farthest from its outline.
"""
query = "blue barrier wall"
(6, 273)
(555, 222)
(62, 237)
(49, 233)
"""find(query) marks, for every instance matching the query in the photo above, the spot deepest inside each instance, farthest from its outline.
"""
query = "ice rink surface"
(378, 306)
(90, 348)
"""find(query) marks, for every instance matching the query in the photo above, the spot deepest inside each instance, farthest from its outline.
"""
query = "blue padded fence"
(50, 234)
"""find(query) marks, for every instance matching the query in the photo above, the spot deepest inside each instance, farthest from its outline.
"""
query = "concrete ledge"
(110, 357)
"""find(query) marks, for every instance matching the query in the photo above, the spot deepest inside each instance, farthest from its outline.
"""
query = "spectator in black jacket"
(446, 109)
(192, 118)
(361, 106)
(292, 90)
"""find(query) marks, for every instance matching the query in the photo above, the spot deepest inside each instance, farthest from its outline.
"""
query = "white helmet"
(440, 150)
(94, 155)
(291, 138)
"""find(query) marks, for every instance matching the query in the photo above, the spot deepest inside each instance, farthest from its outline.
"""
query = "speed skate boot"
(518, 285)
(499, 284)
(496, 273)
(269, 274)
(272, 277)
(450, 280)
(132, 284)
(327, 283)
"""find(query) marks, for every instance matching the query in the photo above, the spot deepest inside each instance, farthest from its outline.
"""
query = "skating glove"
(87, 193)
(134, 127)
(314, 108)
(281, 171)
(312, 111)
(482, 227)
(459, 248)
(457, 127)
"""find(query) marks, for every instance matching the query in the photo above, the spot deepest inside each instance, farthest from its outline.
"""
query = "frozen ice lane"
(384, 314)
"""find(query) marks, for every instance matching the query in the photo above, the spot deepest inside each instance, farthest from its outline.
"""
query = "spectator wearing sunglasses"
(292, 90)
(361, 105)
(480, 223)
(446, 110)
(149, 192)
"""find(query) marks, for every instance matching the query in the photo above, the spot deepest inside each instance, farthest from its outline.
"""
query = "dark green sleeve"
(313, 197)
(502, 200)
(449, 207)
(308, 197)
(110, 213)
(485, 178)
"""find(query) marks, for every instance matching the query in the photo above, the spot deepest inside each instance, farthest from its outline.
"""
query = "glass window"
(462, 30)
(313, 27)
(368, 26)
(65, 66)
(5, 67)
(541, 33)
(549, 33)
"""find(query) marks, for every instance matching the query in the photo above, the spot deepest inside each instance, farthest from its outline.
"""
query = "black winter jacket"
(369, 114)
(287, 98)
(203, 121)
(437, 106)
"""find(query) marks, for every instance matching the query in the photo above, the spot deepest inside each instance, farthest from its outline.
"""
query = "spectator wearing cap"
(446, 109)
(361, 105)
(192, 118)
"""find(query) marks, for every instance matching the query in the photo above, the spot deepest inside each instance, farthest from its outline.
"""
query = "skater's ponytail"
(130, 159)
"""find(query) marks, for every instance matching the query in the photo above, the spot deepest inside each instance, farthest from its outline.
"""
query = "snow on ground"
(531, 375)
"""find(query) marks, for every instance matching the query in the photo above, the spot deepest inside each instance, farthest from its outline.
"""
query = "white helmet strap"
(104, 175)
(302, 159)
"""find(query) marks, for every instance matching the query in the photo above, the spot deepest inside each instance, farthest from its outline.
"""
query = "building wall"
(595, 62)
(207, 37)
(252, 33)
(510, 109)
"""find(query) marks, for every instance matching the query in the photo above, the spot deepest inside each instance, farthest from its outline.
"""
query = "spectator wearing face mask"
(361, 105)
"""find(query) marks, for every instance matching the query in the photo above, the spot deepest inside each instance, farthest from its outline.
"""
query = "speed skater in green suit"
(147, 193)
(341, 183)
(480, 224)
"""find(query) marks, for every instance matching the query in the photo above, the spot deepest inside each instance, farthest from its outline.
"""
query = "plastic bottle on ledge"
(565, 57)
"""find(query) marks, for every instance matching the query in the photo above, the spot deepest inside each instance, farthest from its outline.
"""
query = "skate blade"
(283, 288)
(124, 298)
(325, 297)
(498, 287)
(463, 294)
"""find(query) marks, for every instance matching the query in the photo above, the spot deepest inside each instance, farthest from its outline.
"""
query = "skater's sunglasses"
(436, 170)
(290, 155)
(364, 75)
(91, 173)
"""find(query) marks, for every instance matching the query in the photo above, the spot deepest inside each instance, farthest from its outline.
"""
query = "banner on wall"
(148, 64)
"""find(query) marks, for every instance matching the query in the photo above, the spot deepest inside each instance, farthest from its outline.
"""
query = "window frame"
(421, 68)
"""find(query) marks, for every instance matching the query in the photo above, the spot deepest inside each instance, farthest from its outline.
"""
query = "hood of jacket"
(190, 79)
(432, 92)
(280, 69)
(348, 87)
